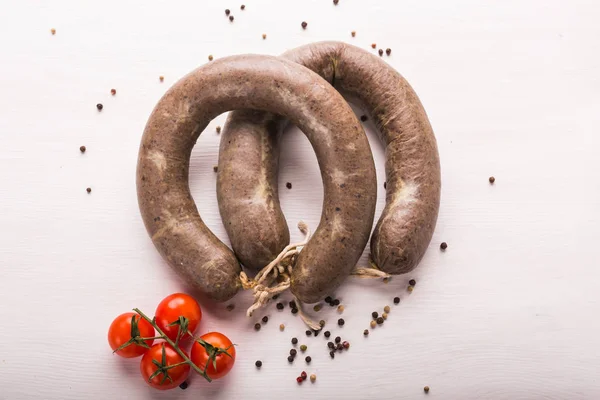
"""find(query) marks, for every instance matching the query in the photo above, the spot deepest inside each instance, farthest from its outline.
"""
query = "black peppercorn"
(412, 282)
(332, 354)
(336, 302)
(366, 332)
(339, 346)
(444, 246)
(308, 333)
(89, 190)
(341, 322)
(492, 179)
(338, 339)
(294, 310)
(231, 18)
(293, 352)
(308, 359)
(292, 304)
(374, 314)
(82, 149)
(258, 364)
(396, 300)
(331, 345)
(294, 341)
(280, 306)
(380, 52)
(327, 334)
(304, 24)
(379, 320)
(257, 326)
(242, 7)
(183, 385)
(227, 11)
(288, 185)
(290, 359)
(388, 51)
(328, 299)
(364, 118)
(265, 319)
(99, 106)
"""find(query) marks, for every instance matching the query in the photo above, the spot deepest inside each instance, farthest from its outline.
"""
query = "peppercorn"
(384, 315)
(290, 359)
(299, 379)
(331, 345)
(426, 389)
(303, 348)
(258, 364)
(308, 359)
(313, 377)
(332, 354)
(322, 323)
(161, 78)
(304, 24)
(257, 326)
(335, 2)
(366, 332)
(316, 333)
(99, 106)
(412, 282)
(341, 322)
(303, 375)
(288, 185)
(396, 300)
(386, 280)
(308, 333)
(231, 18)
(444, 246)
(210, 57)
(327, 334)
(82, 149)
(373, 324)
(346, 345)
(492, 179)
(293, 352)
(281, 327)
(227, 11)
(275, 297)
(374, 45)
(242, 7)
(386, 309)
(336, 302)
(230, 307)
(53, 31)
(339, 346)
(410, 289)
(380, 320)
(338, 339)
(374, 314)
(265, 319)
(318, 307)
(328, 299)
(388, 51)
(215, 168)
(363, 118)
(113, 91)
(292, 304)
(294, 341)
(385, 185)
(183, 385)
(380, 52)
(89, 190)
(340, 308)
(280, 306)
(264, 35)
(294, 310)
(353, 33)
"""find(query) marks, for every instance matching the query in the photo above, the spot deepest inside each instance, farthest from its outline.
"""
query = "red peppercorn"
(346, 344)
(303, 375)
(299, 379)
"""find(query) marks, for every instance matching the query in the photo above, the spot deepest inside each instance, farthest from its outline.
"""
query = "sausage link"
(257, 83)
(412, 166)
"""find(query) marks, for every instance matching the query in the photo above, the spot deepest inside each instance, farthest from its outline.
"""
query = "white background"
(509, 311)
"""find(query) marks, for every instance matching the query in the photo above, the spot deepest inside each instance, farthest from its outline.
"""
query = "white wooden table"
(509, 311)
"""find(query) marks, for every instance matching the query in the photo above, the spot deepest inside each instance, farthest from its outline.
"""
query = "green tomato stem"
(175, 347)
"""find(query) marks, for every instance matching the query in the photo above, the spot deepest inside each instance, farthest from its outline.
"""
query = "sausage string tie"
(280, 269)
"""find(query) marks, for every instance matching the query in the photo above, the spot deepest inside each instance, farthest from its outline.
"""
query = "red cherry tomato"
(218, 352)
(159, 377)
(171, 308)
(120, 332)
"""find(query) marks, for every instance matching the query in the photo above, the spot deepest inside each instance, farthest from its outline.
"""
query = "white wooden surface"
(509, 311)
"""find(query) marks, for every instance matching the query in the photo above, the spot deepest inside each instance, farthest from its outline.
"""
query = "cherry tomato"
(171, 308)
(159, 377)
(120, 332)
(217, 350)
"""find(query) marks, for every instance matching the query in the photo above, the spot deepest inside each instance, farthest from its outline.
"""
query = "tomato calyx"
(213, 352)
(136, 337)
(163, 368)
(184, 324)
